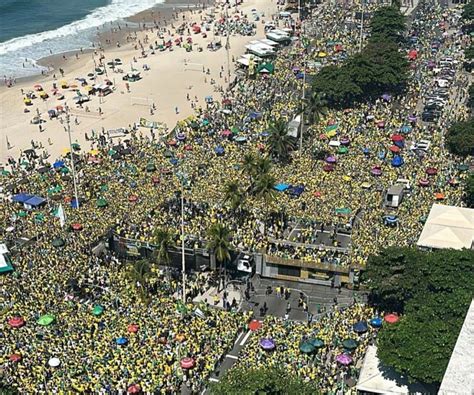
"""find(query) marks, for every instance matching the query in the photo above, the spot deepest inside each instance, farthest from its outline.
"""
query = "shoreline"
(160, 15)
(174, 81)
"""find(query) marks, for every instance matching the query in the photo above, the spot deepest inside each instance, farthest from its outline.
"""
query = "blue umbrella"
(58, 164)
(397, 161)
(74, 203)
(360, 327)
(281, 187)
(174, 161)
(406, 129)
(219, 150)
(376, 322)
(121, 341)
(264, 134)
(391, 219)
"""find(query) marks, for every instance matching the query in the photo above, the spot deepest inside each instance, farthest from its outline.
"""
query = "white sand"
(166, 84)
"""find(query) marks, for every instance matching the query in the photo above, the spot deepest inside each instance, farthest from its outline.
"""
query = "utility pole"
(304, 77)
(361, 25)
(227, 43)
(68, 130)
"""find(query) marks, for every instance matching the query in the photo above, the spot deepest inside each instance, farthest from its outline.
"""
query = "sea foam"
(76, 35)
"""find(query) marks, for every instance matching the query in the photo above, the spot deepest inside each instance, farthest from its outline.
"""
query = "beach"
(171, 83)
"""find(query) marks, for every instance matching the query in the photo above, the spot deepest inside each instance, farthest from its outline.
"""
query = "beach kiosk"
(5, 260)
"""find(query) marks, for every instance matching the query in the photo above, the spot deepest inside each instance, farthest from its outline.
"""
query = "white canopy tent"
(448, 227)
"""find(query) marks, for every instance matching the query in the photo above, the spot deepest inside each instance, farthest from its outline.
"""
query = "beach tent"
(5, 261)
(21, 197)
(281, 187)
(34, 202)
(296, 191)
(397, 161)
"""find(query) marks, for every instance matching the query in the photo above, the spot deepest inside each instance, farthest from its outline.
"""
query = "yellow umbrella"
(66, 151)
(322, 54)
(331, 133)
(94, 152)
(346, 178)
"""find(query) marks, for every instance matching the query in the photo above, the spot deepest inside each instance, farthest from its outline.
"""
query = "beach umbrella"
(439, 196)
(394, 149)
(386, 97)
(342, 150)
(376, 171)
(22, 213)
(267, 344)
(16, 322)
(391, 318)
(101, 202)
(317, 343)
(406, 129)
(349, 344)
(46, 319)
(431, 171)
(241, 139)
(397, 137)
(54, 362)
(134, 389)
(344, 359)
(360, 327)
(219, 150)
(76, 226)
(132, 198)
(463, 167)
(376, 322)
(58, 242)
(132, 328)
(181, 136)
(187, 363)
(412, 118)
(328, 168)
(58, 164)
(226, 133)
(331, 159)
(423, 182)
(5, 172)
(255, 325)
(15, 357)
(111, 152)
(121, 341)
(307, 348)
(64, 170)
(345, 140)
(97, 310)
(397, 161)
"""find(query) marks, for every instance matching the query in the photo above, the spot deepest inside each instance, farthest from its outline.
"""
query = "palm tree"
(233, 195)
(317, 106)
(263, 165)
(279, 142)
(219, 243)
(163, 240)
(265, 188)
(139, 273)
(248, 164)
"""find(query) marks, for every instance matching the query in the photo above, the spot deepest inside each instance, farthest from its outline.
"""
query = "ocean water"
(33, 29)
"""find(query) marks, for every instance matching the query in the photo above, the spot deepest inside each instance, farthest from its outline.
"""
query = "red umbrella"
(394, 149)
(431, 171)
(134, 389)
(327, 167)
(391, 318)
(16, 322)
(317, 194)
(397, 137)
(255, 325)
(132, 198)
(188, 147)
(15, 357)
(132, 328)
(76, 226)
(187, 363)
(172, 142)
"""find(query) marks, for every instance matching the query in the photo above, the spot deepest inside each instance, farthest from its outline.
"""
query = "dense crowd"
(132, 186)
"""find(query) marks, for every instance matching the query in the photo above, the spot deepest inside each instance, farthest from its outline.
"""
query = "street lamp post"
(304, 77)
(183, 260)
(68, 130)
(361, 25)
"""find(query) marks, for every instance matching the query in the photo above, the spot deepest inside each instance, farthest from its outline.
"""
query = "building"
(448, 227)
(459, 376)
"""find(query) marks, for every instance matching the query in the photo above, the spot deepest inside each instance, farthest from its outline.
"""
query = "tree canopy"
(379, 68)
(433, 290)
(469, 190)
(268, 381)
(460, 138)
(468, 11)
